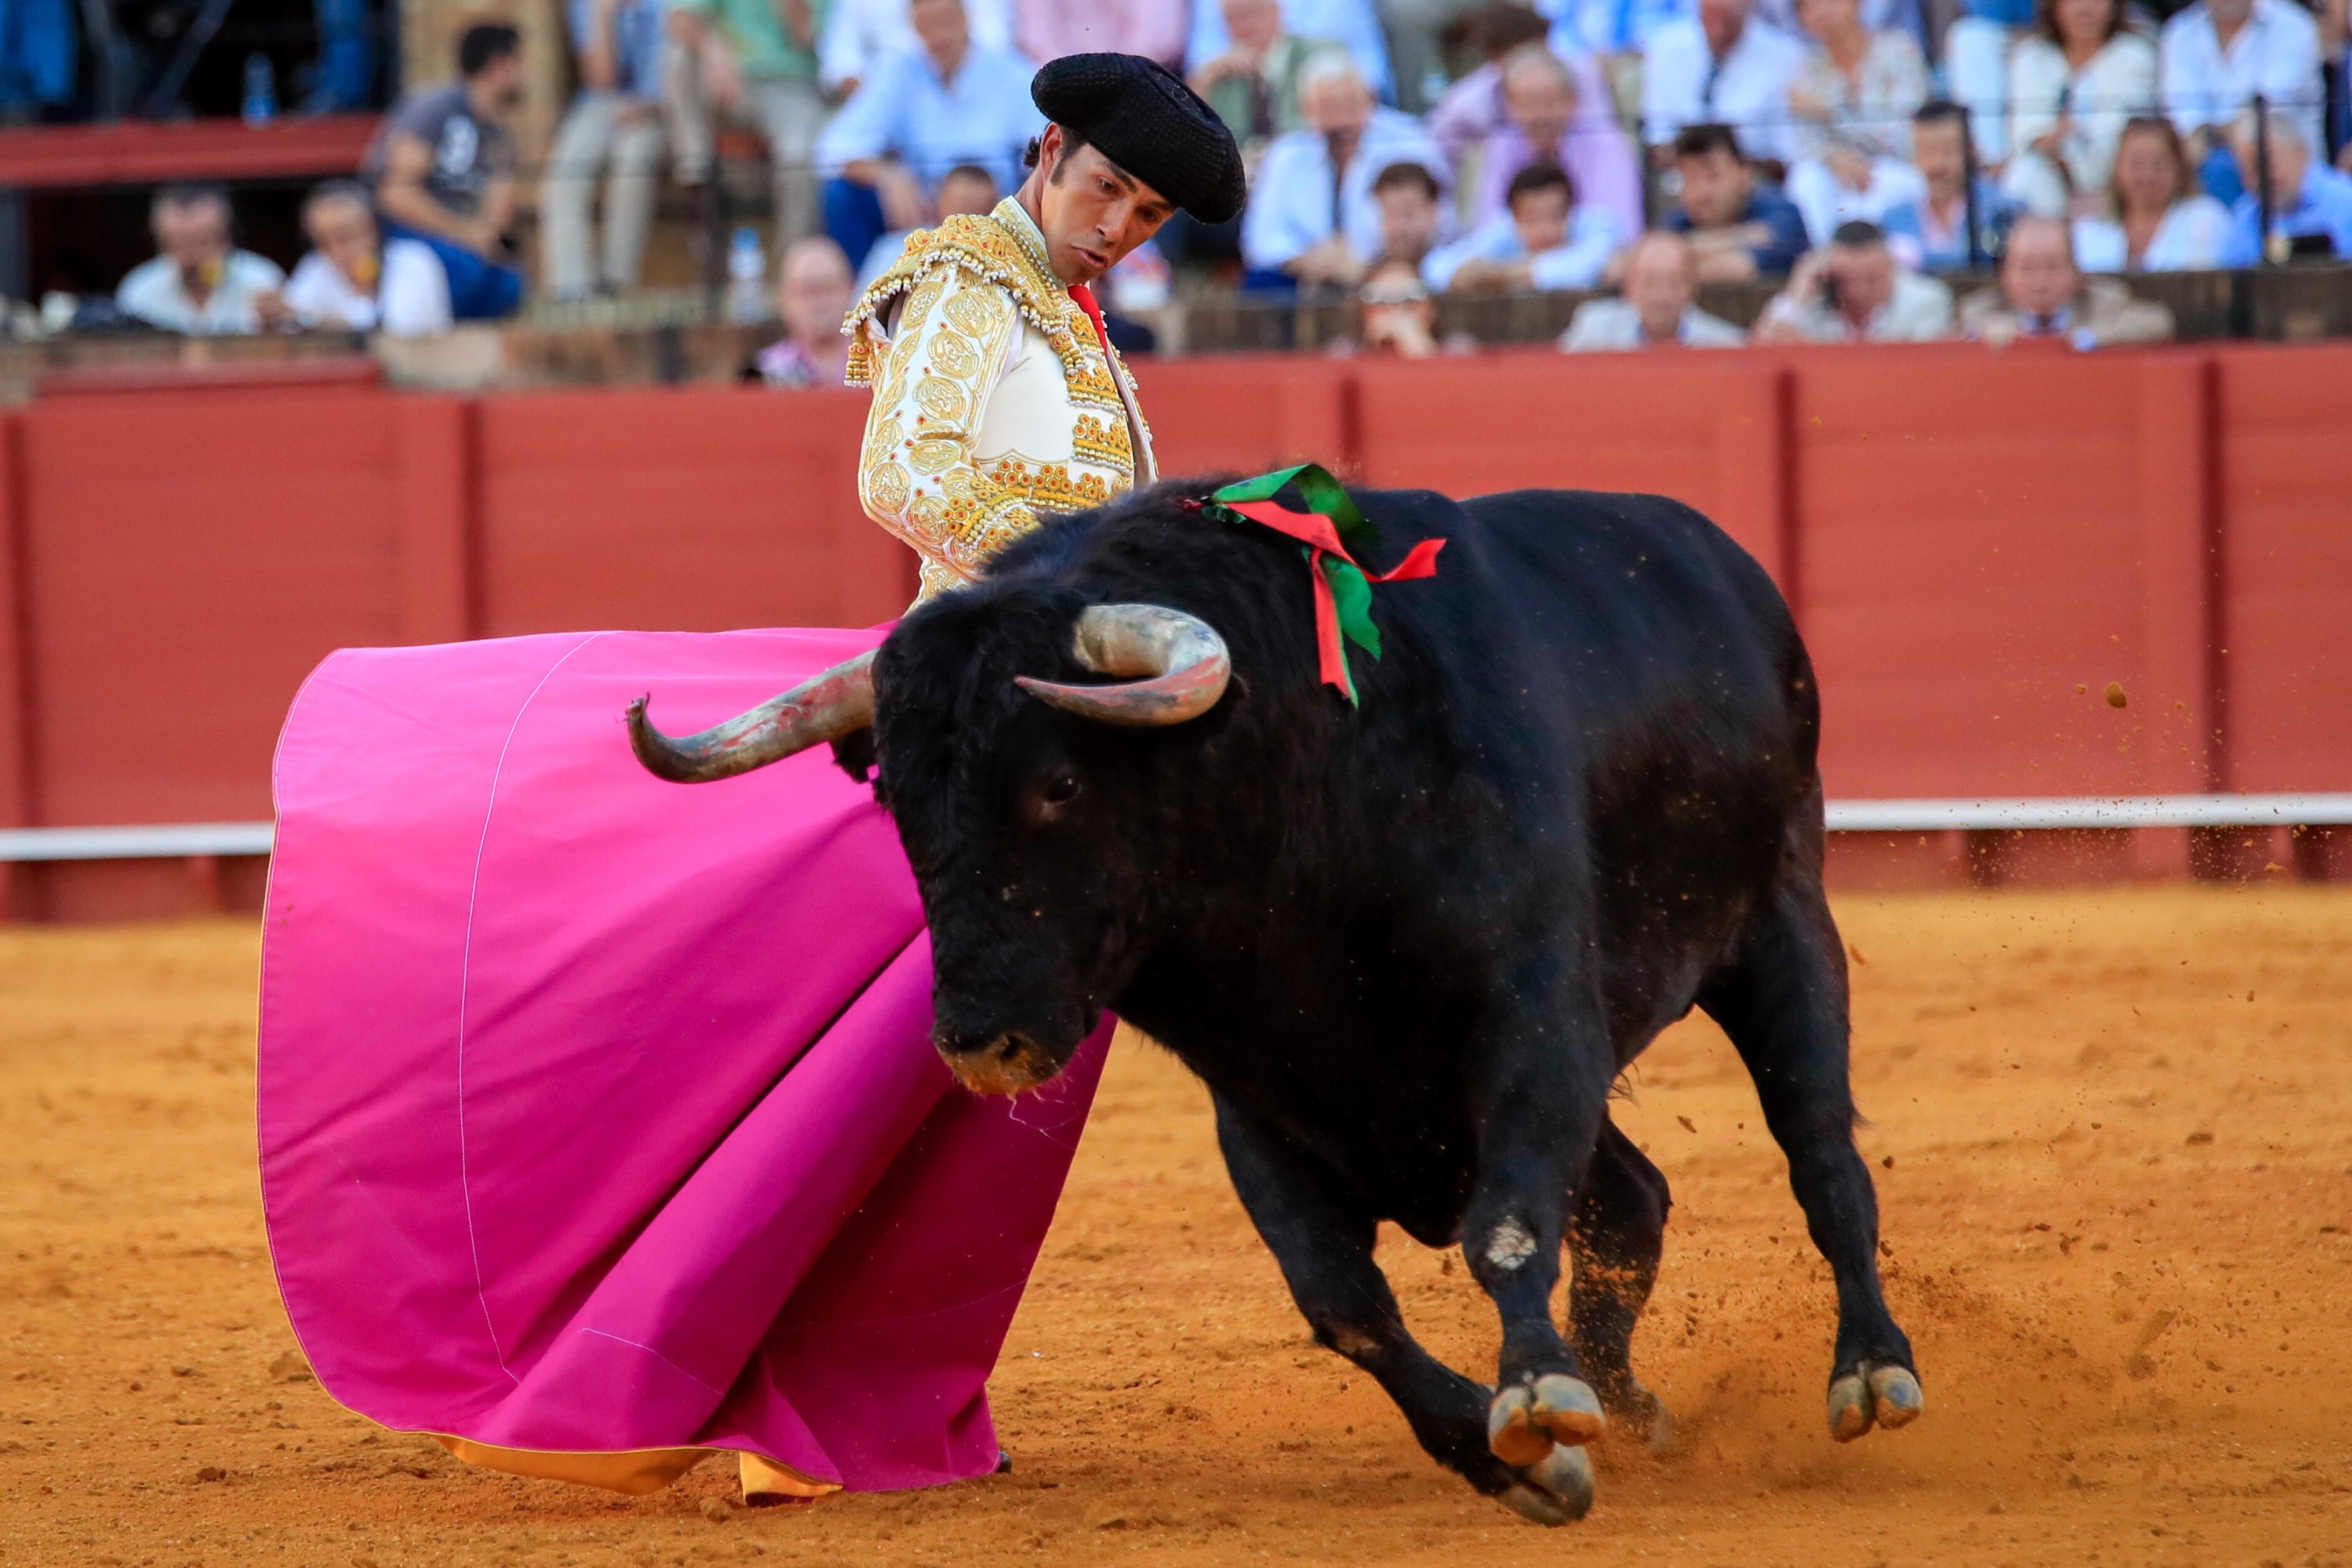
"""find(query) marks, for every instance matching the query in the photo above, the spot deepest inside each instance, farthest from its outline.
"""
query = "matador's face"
(1091, 211)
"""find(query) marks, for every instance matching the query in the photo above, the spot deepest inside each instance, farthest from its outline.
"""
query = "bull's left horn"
(1180, 659)
(838, 702)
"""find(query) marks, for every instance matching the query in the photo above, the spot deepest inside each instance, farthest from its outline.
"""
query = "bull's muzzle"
(1007, 1063)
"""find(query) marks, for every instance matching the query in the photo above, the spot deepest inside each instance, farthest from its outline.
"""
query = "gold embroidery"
(966, 313)
(886, 486)
(934, 456)
(942, 400)
(1049, 486)
(953, 353)
(1104, 439)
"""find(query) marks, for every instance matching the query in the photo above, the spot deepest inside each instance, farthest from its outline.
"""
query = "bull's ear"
(854, 754)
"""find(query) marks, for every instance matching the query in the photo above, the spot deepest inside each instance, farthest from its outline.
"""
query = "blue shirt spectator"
(37, 55)
(1739, 227)
(1349, 22)
(2307, 198)
(1930, 237)
(1609, 26)
(2272, 50)
(932, 122)
(638, 31)
(1543, 242)
(1312, 214)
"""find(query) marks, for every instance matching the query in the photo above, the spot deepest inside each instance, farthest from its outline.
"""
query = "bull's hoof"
(1646, 1417)
(1557, 1489)
(1523, 1423)
(1874, 1395)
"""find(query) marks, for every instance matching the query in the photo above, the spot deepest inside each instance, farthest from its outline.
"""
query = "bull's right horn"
(838, 702)
(1182, 661)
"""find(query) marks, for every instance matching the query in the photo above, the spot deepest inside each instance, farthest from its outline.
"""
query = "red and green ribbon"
(1343, 593)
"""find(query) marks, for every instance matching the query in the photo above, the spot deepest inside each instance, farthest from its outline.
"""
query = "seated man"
(200, 283)
(2311, 204)
(1738, 228)
(1254, 84)
(1349, 25)
(614, 125)
(1556, 112)
(1855, 291)
(750, 62)
(1311, 220)
(1659, 309)
(919, 114)
(443, 171)
(814, 292)
(967, 188)
(1931, 231)
(2043, 295)
(1412, 218)
(355, 280)
(2219, 56)
(1547, 240)
(1721, 66)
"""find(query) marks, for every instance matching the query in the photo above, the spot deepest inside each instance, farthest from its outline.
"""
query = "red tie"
(1084, 297)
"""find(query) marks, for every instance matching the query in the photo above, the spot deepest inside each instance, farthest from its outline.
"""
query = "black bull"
(1409, 947)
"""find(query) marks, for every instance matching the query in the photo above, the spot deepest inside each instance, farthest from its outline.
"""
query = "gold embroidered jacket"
(994, 398)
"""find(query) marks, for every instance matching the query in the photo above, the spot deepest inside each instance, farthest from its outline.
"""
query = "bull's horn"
(837, 703)
(1182, 659)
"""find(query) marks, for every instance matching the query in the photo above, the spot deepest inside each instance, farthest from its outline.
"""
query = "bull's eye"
(1061, 790)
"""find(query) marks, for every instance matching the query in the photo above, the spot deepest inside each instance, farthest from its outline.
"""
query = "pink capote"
(599, 1114)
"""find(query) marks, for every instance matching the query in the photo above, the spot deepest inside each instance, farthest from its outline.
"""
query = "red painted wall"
(1976, 544)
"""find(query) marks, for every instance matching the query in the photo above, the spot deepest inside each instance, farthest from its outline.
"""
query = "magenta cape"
(599, 1114)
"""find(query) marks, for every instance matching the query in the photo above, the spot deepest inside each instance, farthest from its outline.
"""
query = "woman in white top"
(1857, 89)
(2163, 222)
(2073, 82)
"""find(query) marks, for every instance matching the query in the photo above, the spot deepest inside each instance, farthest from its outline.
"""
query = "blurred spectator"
(344, 77)
(1849, 110)
(856, 36)
(1047, 29)
(442, 168)
(2072, 84)
(1555, 113)
(1931, 231)
(812, 294)
(2162, 219)
(1399, 317)
(1722, 67)
(1351, 23)
(1615, 29)
(614, 121)
(1412, 220)
(1976, 57)
(1547, 240)
(1312, 220)
(355, 280)
(1471, 108)
(200, 284)
(1254, 85)
(1660, 309)
(966, 189)
(919, 114)
(2043, 295)
(39, 57)
(2218, 55)
(1878, 15)
(1739, 229)
(1854, 291)
(750, 62)
(1416, 35)
(2311, 203)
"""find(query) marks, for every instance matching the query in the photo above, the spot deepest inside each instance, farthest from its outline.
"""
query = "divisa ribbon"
(1343, 593)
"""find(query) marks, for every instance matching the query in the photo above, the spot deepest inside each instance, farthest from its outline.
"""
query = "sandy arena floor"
(2116, 1135)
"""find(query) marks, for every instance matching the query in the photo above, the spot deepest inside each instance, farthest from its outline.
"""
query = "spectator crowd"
(1856, 151)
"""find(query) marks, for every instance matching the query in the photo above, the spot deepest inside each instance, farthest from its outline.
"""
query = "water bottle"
(260, 89)
(747, 278)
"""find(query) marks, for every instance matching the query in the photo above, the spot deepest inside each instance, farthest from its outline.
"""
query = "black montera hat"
(1142, 117)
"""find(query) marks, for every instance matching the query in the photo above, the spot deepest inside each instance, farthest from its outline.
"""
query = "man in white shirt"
(1349, 23)
(355, 280)
(1855, 291)
(1547, 240)
(1660, 309)
(2219, 54)
(1312, 218)
(200, 284)
(858, 34)
(1722, 67)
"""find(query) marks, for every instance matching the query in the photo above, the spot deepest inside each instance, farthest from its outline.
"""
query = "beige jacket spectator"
(1855, 291)
(2043, 295)
(1659, 309)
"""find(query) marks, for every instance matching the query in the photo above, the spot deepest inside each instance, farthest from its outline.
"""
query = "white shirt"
(2189, 238)
(153, 293)
(1601, 325)
(1592, 239)
(984, 116)
(859, 33)
(1350, 23)
(2276, 54)
(1609, 26)
(1290, 201)
(2116, 83)
(1751, 86)
(411, 298)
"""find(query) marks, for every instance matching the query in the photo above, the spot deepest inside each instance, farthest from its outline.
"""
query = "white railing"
(179, 840)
